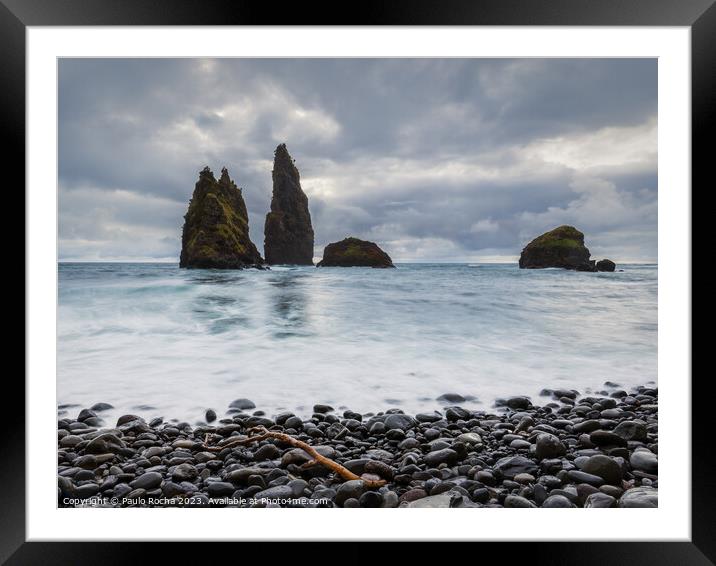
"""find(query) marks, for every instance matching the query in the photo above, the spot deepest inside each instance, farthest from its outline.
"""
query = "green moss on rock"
(352, 252)
(216, 226)
(288, 232)
(562, 247)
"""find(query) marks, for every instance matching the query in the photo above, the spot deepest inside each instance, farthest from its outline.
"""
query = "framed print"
(431, 265)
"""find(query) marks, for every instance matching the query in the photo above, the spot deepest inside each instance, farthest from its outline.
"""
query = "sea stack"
(562, 247)
(288, 233)
(353, 252)
(216, 226)
(606, 265)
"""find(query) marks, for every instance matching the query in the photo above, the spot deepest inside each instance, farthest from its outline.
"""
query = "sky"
(462, 160)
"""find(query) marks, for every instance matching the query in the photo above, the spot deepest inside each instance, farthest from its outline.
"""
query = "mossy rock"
(288, 232)
(216, 226)
(353, 252)
(562, 247)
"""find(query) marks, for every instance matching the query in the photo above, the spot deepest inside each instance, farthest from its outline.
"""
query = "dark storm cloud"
(437, 159)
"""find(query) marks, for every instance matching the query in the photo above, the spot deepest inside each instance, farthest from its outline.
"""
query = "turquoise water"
(156, 340)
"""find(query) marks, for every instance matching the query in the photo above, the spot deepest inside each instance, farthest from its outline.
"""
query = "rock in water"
(562, 247)
(288, 233)
(216, 226)
(353, 252)
(606, 265)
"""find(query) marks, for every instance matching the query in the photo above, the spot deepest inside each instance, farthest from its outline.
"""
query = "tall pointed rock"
(288, 233)
(216, 226)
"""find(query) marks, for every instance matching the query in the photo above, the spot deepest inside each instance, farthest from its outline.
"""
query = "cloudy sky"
(434, 159)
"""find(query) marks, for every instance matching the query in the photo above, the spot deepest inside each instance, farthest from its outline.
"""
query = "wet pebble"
(588, 451)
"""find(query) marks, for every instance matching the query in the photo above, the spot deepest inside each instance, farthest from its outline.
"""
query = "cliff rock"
(353, 252)
(288, 233)
(562, 247)
(216, 226)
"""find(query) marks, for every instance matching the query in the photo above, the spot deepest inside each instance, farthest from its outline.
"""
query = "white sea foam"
(176, 342)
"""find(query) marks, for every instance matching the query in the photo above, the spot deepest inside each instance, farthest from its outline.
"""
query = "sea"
(159, 341)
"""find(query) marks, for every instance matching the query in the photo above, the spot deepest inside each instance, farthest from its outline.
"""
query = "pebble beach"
(564, 449)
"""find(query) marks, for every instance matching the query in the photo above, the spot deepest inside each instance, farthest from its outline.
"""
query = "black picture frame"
(699, 15)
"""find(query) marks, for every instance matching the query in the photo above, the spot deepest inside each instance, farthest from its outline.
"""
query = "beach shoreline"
(563, 449)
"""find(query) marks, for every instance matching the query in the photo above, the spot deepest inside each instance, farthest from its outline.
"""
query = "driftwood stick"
(262, 434)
